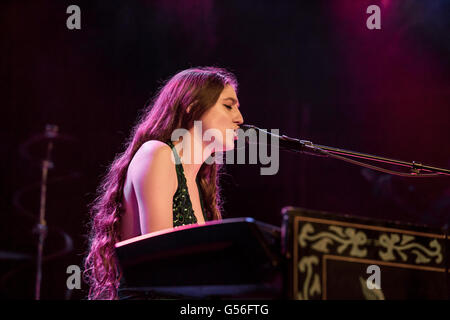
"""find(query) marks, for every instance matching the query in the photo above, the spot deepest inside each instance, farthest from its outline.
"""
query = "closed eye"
(229, 107)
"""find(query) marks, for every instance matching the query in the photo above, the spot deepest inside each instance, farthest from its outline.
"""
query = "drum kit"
(38, 151)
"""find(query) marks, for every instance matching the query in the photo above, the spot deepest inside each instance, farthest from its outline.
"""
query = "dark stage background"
(309, 68)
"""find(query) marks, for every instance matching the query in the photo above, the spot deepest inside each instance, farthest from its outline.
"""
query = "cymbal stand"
(41, 228)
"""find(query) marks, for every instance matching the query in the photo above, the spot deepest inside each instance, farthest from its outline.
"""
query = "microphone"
(283, 142)
(251, 132)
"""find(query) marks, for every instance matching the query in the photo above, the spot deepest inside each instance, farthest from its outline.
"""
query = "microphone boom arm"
(304, 146)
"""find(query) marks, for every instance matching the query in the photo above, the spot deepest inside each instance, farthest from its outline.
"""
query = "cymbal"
(9, 255)
(38, 143)
(39, 137)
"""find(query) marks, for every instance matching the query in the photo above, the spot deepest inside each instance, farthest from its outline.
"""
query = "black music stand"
(231, 258)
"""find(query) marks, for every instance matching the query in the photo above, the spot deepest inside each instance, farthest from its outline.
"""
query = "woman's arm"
(154, 179)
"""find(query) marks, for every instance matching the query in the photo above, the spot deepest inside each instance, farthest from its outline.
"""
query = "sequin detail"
(183, 213)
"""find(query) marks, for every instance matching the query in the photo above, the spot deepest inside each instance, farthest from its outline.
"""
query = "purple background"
(309, 68)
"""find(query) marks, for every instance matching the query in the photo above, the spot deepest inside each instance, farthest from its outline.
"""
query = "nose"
(238, 118)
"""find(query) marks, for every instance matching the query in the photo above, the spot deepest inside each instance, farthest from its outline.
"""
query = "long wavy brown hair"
(200, 87)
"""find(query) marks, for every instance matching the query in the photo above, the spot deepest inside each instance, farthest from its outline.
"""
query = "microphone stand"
(303, 146)
(416, 167)
(41, 228)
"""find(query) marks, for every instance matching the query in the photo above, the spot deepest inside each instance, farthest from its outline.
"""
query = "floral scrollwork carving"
(393, 243)
(345, 237)
(311, 283)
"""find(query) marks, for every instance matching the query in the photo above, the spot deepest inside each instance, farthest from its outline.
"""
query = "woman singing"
(157, 183)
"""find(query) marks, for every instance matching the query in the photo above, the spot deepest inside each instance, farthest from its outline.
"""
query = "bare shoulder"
(154, 158)
(154, 147)
(154, 180)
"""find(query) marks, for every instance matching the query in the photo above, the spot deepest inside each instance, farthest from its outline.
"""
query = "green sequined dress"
(183, 213)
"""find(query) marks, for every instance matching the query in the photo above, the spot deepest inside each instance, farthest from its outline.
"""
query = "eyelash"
(229, 107)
